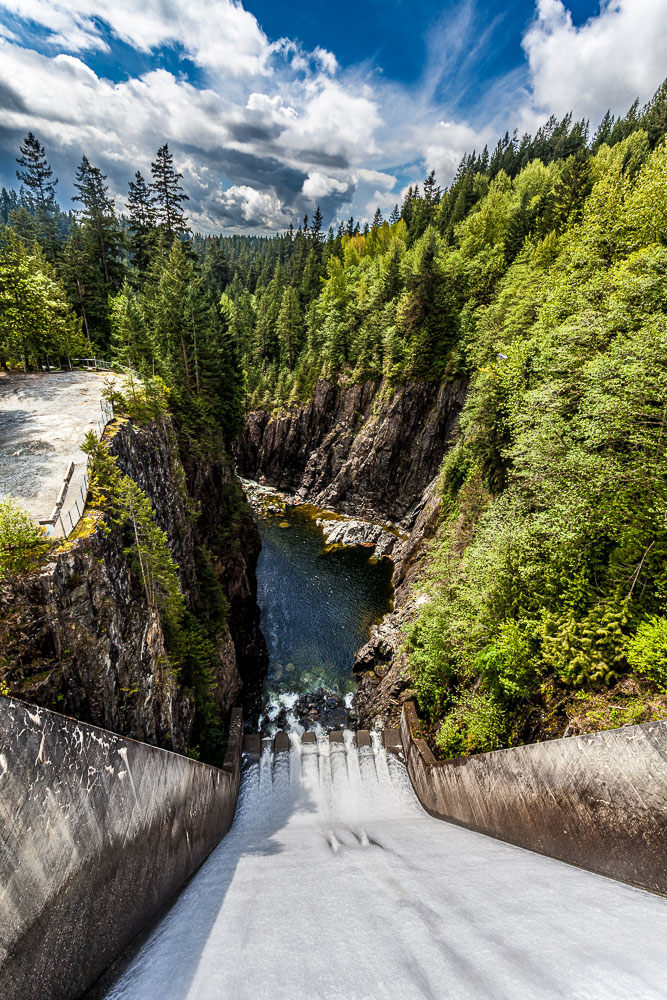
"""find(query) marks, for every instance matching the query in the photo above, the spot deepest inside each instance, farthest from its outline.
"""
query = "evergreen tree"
(572, 188)
(377, 219)
(169, 196)
(316, 227)
(289, 328)
(311, 283)
(84, 282)
(395, 215)
(39, 192)
(99, 218)
(142, 221)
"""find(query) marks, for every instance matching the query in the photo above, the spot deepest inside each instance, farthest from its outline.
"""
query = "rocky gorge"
(370, 457)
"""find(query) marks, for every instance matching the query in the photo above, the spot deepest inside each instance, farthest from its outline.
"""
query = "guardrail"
(58, 517)
(67, 520)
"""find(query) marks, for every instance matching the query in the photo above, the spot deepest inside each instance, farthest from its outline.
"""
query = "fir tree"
(142, 221)
(99, 217)
(39, 192)
(169, 196)
(289, 328)
(377, 219)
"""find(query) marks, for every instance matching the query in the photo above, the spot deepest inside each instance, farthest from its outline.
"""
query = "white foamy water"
(334, 883)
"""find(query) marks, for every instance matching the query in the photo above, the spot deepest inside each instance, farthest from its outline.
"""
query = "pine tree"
(311, 283)
(572, 188)
(377, 219)
(99, 216)
(169, 196)
(39, 192)
(9, 202)
(83, 280)
(316, 227)
(130, 341)
(289, 328)
(654, 117)
(141, 204)
(395, 215)
(603, 131)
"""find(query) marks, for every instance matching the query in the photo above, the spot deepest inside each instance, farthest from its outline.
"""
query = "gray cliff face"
(79, 635)
(370, 453)
(361, 450)
(381, 666)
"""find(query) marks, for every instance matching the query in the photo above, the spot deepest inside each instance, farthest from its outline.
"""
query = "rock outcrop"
(374, 455)
(363, 450)
(351, 531)
(79, 635)
(382, 665)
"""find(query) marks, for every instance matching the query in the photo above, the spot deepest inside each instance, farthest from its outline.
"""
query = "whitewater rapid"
(334, 883)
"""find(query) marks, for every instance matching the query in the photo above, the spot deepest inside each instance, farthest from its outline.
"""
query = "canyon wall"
(79, 636)
(370, 452)
(98, 832)
(364, 450)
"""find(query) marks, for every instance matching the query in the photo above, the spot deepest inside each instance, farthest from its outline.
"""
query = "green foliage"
(511, 664)
(475, 724)
(141, 401)
(127, 507)
(647, 650)
(560, 574)
(23, 544)
(37, 323)
(589, 650)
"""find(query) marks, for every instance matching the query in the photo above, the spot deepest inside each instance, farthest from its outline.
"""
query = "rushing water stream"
(333, 883)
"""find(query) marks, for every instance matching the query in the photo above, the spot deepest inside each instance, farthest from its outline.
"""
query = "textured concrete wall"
(598, 801)
(97, 832)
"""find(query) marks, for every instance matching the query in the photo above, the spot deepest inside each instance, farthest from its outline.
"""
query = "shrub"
(589, 650)
(475, 724)
(22, 542)
(509, 664)
(647, 650)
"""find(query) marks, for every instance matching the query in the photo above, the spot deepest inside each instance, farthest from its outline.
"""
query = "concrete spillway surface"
(334, 883)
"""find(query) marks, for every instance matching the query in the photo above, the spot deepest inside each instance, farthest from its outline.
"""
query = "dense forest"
(540, 274)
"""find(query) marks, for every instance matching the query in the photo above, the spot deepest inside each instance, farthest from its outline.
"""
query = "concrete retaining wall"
(597, 801)
(97, 833)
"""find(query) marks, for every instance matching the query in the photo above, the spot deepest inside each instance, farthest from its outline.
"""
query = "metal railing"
(58, 515)
(69, 519)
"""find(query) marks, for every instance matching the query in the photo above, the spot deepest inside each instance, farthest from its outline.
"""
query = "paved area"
(44, 419)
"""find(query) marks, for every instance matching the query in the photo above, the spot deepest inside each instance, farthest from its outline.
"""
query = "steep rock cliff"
(361, 450)
(381, 666)
(366, 451)
(79, 636)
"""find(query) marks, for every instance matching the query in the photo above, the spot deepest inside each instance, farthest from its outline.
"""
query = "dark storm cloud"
(255, 131)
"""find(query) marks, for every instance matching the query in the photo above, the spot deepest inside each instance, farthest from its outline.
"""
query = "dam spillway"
(334, 882)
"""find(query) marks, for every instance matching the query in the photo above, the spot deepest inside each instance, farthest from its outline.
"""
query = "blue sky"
(271, 108)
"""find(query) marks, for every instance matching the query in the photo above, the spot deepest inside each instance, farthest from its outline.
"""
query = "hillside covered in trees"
(540, 275)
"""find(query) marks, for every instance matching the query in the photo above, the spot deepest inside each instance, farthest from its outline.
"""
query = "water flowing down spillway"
(334, 883)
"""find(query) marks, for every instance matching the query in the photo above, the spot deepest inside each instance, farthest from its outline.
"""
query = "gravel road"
(43, 421)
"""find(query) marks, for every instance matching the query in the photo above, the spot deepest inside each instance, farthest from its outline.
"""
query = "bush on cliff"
(23, 544)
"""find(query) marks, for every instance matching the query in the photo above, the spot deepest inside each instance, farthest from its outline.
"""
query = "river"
(317, 606)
